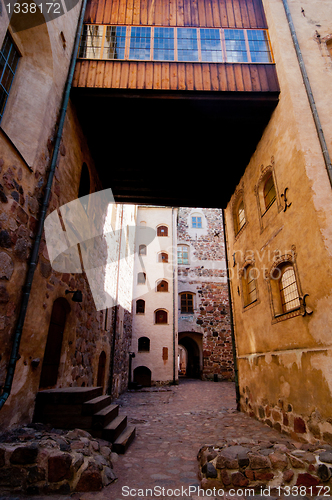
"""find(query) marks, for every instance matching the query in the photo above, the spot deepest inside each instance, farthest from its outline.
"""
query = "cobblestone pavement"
(171, 426)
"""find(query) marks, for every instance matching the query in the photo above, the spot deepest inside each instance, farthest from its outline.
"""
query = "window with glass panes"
(196, 221)
(183, 254)
(154, 43)
(187, 303)
(9, 57)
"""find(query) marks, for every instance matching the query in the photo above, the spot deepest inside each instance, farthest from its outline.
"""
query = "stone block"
(299, 425)
(13, 477)
(259, 462)
(36, 474)
(209, 470)
(59, 467)
(307, 480)
(6, 266)
(288, 475)
(24, 455)
(90, 480)
(239, 479)
(324, 472)
(326, 456)
(278, 461)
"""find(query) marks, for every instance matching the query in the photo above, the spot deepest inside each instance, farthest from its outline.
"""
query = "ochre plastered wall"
(284, 363)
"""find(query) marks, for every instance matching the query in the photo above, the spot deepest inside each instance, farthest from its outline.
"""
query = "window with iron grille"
(288, 290)
(269, 192)
(9, 58)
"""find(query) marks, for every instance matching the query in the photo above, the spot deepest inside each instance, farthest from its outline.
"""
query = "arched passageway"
(193, 367)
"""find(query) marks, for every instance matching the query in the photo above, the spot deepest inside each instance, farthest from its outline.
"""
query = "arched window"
(289, 293)
(162, 286)
(163, 257)
(183, 254)
(143, 344)
(187, 302)
(160, 316)
(142, 250)
(249, 285)
(162, 231)
(269, 192)
(285, 288)
(239, 216)
(141, 278)
(140, 306)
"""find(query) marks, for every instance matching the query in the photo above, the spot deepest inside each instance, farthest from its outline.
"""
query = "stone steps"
(84, 408)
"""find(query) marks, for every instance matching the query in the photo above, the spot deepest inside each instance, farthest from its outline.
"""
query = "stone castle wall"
(205, 276)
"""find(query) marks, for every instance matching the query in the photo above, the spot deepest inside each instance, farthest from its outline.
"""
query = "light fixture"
(77, 297)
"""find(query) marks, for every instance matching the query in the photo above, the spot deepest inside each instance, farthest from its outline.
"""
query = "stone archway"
(194, 356)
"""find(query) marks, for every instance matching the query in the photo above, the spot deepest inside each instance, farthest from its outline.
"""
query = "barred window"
(249, 285)
(288, 290)
(9, 57)
(187, 44)
(269, 192)
(241, 218)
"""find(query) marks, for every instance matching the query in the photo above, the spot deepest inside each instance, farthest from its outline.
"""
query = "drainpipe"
(174, 261)
(236, 373)
(307, 85)
(115, 317)
(36, 245)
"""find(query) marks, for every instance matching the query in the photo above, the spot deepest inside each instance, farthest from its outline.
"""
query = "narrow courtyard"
(172, 424)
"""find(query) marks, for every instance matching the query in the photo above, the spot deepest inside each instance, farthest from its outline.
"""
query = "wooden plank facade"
(176, 76)
(201, 13)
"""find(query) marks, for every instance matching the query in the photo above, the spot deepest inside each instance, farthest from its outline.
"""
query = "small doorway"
(192, 358)
(101, 370)
(51, 361)
(142, 376)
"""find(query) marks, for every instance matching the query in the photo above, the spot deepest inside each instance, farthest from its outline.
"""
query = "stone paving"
(172, 424)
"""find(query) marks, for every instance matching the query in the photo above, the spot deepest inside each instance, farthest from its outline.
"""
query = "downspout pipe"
(319, 128)
(35, 250)
(236, 372)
